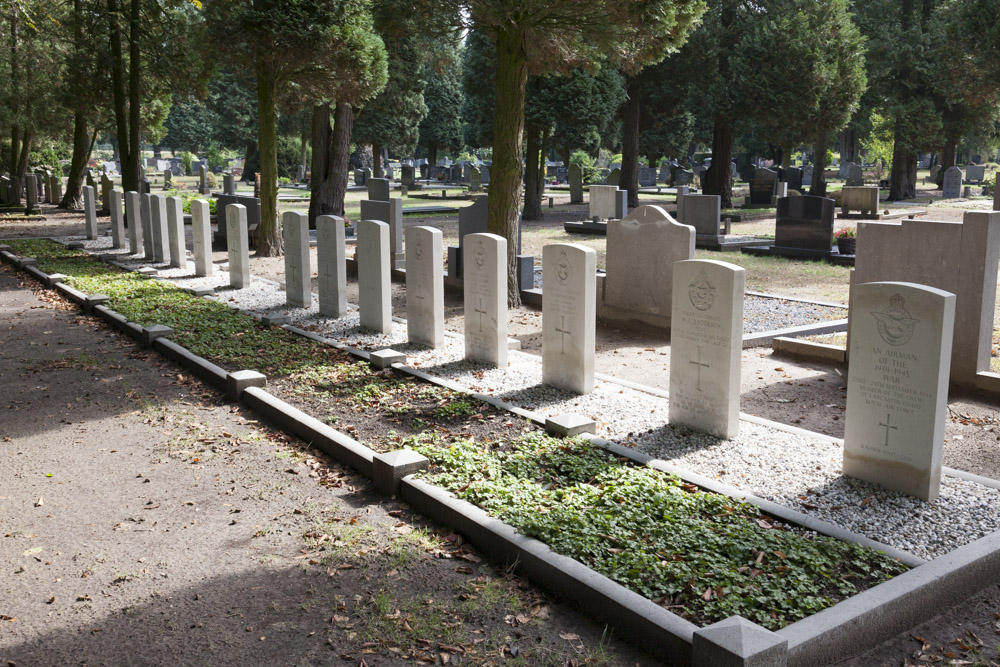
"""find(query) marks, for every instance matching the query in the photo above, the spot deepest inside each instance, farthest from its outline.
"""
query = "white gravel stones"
(793, 469)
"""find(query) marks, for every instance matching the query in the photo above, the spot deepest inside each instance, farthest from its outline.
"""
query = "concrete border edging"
(201, 368)
(654, 629)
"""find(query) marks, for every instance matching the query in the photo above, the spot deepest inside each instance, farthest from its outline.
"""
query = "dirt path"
(145, 520)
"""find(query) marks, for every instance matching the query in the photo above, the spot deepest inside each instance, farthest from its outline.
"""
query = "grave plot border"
(847, 628)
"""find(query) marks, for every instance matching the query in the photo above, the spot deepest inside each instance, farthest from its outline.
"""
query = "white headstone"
(89, 212)
(374, 287)
(569, 316)
(57, 189)
(145, 211)
(897, 386)
(424, 286)
(331, 265)
(117, 220)
(238, 245)
(132, 207)
(175, 232)
(161, 238)
(606, 202)
(201, 231)
(298, 273)
(706, 340)
(484, 265)
(952, 187)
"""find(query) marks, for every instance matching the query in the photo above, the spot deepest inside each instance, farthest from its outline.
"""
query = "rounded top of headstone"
(648, 214)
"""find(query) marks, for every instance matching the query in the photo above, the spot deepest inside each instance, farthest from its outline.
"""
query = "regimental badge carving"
(563, 267)
(701, 292)
(418, 247)
(895, 325)
(480, 254)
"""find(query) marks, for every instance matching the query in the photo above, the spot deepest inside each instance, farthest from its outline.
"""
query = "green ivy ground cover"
(701, 555)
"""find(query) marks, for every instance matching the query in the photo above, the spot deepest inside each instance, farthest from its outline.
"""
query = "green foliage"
(588, 168)
(705, 555)
(289, 156)
(211, 180)
(576, 105)
(878, 144)
(478, 89)
(189, 126)
(442, 125)
(186, 159)
(48, 155)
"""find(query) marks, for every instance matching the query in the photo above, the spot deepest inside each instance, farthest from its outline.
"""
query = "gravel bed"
(790, 469)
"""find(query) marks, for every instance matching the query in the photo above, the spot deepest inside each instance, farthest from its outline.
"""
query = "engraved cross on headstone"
(700, 365)
(417, 295)
(887, 428)
(481, 312)
(562, 337)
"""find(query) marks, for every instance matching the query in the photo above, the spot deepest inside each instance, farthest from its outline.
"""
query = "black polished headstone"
(792, 176)
(805, 224)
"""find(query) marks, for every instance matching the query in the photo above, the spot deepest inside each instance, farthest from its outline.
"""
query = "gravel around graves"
(792, 469)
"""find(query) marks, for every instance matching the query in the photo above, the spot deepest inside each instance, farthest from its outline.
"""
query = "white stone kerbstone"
(331, 265)
(374, 287)
(706, 339)
(569, 316)
(485, 285)
(239, 245)
(201, 231)
(424, 286)
(89, 212)
(175, 232)
(897, 386)
(298, 274)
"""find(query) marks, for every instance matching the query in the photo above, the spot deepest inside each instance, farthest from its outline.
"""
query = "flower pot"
(847, 245)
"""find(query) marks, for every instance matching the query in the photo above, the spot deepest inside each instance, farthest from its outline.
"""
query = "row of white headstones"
(900, 342)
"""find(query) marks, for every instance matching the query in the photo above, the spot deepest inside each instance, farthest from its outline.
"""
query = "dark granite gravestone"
(748, 172)
(665, 171)
(647, 177)
(253, 213)
(562, 174)
(406, 174)
(792, 176)
(425, 169)
(804, 226)
(762, 187)
(679, 176)
(359, 177)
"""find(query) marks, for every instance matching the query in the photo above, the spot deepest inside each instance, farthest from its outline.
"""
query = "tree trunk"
(377, 170)
(16, 184)
(73, 198)
(630, 142)
(132, 174)
(786, 157)
(718, 179)
(340, 148)
(432, 158)
(508, 131)
(305, 152)
(542, 158)
(15, 132)
(903, 179)
(269, 232)
(948, 159)
(21, 169)
(321, 185)
(818, 187)
(532, 198)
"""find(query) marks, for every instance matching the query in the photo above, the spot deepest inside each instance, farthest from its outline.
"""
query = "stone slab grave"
(975, 173)
(475, 180)
(158, 222)
(118, 239)
(641, 252)
(647, 177)
(406, 175)
(378, 190)
(374, 296)
(680, 176)
(298, 273)
(425, 286)
(706, 343)
(607, 202)
(133, 206)
(331, 265)
(201, 231)
(575, 184)
(863, 199)
(952, 187)
(238, 245)
(854, 175)
(897, 387)
(569, 316)
(803, 228)
(390, 212)
(175, 232)
(792, 176)
(89, 213)
(485, 299)
(957, 257)
(614, 178)
(473, 219)
(762, 188)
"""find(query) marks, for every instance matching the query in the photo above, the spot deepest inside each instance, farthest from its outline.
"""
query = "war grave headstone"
(106, 187)
(201, 230)
(374, 296)
(897, 389)
(89, 212)
(763, 187)
(975, 173)
(57, 188)
(135, 227)
(331, 265)
(855, 175)
(957, 257)
(863, 199)
(424, 286)
(378, 190)
(485, 298)
(641, 252)
(952, 188)
(146, 211)
(706, 341)
(780, 190)
(175, 232)
(647, 177)
(475, 180)
(89, 177)
(298, 273)
(390, 212)
(614, 178)
(161, 234)
(732, 170)
(31, 196)
(117, 221)
(238, 245)
(575, 184)
(569, 316)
